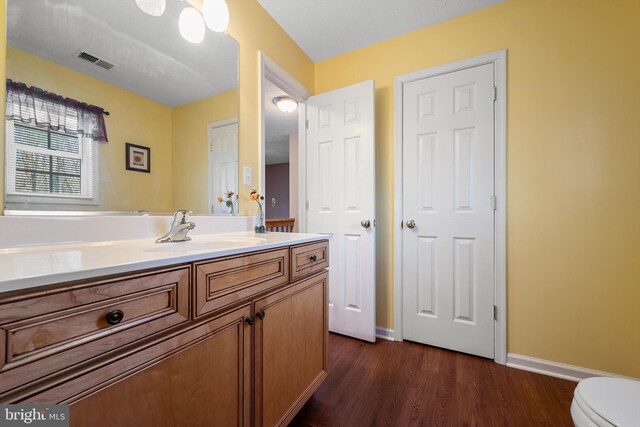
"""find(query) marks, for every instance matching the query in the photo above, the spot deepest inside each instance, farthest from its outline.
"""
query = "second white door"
(341, 201)
(448, 233)
(223, 164)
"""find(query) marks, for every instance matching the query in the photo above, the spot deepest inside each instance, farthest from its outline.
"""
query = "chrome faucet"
(179, 228)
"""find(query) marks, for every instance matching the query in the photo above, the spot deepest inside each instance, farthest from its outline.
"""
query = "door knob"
(365, 223)
(411, 223)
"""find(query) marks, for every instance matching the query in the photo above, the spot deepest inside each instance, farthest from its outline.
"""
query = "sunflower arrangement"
(259, 199)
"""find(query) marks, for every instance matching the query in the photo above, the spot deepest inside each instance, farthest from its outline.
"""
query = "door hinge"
(306, 205)
(495, 93)
(494, 202)
(306, 124)
(211, 147)
(495, 312)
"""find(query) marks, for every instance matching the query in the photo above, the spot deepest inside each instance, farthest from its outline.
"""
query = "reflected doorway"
(281, 159)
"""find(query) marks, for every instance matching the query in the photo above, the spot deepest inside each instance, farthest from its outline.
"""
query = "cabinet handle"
(313, 258)
(114, 317)
(260, 314)
(250, 320)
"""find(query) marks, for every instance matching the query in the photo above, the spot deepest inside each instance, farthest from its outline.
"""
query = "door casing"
(270, 70)
(499, 59)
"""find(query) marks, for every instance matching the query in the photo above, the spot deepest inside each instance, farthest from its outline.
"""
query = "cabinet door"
(205, 382)
(291, 349)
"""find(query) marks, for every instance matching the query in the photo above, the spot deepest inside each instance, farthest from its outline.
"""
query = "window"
(47, 166)
(51, 147)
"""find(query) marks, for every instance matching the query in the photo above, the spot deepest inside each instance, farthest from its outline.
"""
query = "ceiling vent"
(85, 56)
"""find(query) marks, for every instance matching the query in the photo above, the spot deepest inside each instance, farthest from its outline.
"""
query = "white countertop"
(27, 267)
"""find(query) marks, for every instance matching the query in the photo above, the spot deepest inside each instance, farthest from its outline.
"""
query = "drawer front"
(308, 259)
(224, 282)
(45, 332)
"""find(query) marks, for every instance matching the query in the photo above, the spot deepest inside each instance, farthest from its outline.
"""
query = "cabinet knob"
(260, 314)
(250, 320)
(313, 258)
(114, 317)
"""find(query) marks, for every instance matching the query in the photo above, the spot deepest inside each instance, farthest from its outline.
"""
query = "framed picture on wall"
(138, 158)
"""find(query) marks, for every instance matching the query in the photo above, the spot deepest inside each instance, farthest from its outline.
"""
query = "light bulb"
(216, 14)
(285, 104)
(191, 25)
(152, 7)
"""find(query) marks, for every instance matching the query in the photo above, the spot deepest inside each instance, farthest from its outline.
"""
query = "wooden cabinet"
(230, 342)
(290, 348)
(204, 382)
(226, 281)
(47, 331)
(309, 259)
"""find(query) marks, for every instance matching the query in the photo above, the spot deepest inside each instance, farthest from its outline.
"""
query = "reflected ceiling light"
(286, 104)
(216, 14)
(152, 7)
(191, 25)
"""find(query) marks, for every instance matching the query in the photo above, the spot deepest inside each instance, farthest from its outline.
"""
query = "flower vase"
(231, 212)
(260, 227)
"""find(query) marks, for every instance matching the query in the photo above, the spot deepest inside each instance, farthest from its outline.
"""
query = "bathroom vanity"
(226, 330)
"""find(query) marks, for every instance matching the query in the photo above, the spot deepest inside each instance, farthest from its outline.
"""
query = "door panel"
(447, 189)
(341, 194)
(223, 164)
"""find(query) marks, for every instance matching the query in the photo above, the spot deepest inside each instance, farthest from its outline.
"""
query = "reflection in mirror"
(164, 94)
(281, 155)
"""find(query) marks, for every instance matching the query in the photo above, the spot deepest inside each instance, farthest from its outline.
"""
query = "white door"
(448, 230)
(341, 196)
(223, 164)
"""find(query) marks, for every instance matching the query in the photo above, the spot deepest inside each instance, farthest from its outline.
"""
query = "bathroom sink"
(207, 243)
(238, 240)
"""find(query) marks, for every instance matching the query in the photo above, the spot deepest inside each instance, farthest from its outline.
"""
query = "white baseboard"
(555, 369)
(384, 333)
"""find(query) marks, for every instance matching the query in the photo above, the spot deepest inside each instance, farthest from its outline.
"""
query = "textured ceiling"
(326, 28)
(152, 59)
(278, 127)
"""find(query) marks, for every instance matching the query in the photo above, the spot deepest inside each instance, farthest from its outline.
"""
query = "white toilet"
(600, 402)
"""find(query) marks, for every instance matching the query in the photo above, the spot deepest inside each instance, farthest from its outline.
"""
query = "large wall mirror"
(172, 122)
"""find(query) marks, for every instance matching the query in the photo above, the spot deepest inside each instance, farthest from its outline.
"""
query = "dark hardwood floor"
(409, 384)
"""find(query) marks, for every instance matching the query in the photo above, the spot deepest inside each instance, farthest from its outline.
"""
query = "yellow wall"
(573, 167)
(133, 119)
(190, 155)
(256, 31)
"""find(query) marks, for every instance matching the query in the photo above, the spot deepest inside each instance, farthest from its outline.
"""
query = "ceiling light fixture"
(216, 14)
(286, 104)
(191, 25)
(152, 7)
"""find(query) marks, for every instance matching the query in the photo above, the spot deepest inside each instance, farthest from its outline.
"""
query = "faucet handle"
(181, 215)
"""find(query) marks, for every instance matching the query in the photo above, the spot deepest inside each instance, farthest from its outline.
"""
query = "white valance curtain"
(44, 109)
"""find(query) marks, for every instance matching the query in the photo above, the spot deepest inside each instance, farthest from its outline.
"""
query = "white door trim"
(499, 59)
(271, 71)
(210, 127)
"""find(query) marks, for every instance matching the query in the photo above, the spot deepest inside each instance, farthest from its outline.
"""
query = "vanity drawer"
(46, 331)
(226, 281)
(307, 259)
